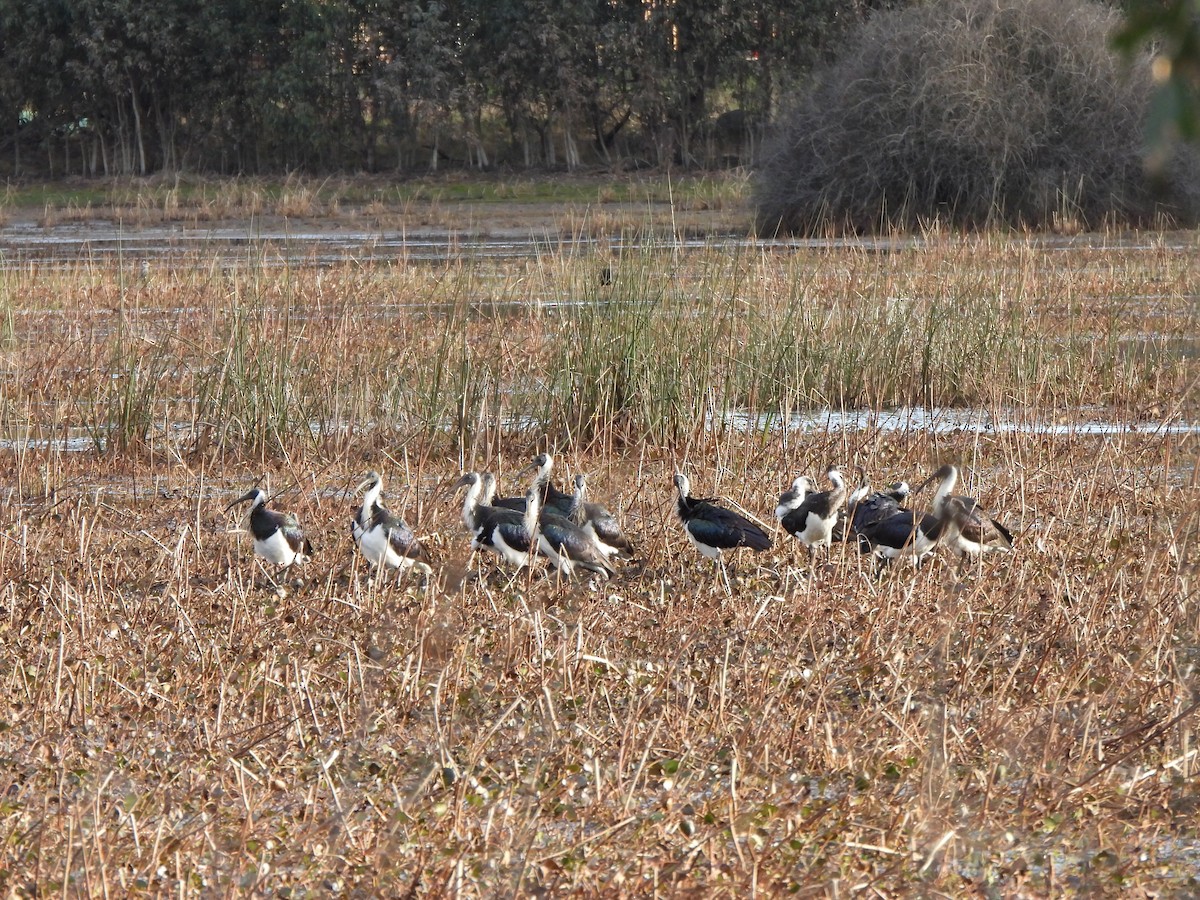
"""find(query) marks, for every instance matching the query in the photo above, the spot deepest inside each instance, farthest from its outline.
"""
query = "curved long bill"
(533, 466)
(249, 495)
(920, 487)
(943, 472)
(371, 478)
(466, 481)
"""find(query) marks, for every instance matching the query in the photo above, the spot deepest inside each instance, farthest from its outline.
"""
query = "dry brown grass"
(172, 724)
(451, 202)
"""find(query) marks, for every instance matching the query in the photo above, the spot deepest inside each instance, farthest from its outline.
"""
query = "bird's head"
(254, 495)
(371, 480)
(803, 484)
(682, 484)
(543, 464)
(469, 480)
(944, 473)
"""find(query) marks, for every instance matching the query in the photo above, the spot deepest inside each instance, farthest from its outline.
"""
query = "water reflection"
(937, 420)
(948, 420)
(101, 243)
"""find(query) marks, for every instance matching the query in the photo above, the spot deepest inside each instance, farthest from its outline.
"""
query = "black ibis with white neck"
(596, 519)
(510, 534)
(865, 507)
(906, 534)
(978, 532)
(712, 528)
(277, 535)
(809, 514)
(568, 546)
(551, 497)
(560, 539)
(384, 538)
(473, 500)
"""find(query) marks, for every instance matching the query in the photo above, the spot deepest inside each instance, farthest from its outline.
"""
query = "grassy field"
(172, 723)
(604, 202)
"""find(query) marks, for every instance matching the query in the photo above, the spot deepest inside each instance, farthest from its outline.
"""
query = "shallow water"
(907, 419)
(277, 244)
(946, 420)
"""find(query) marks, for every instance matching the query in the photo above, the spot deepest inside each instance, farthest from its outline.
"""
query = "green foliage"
(139, 378)
(258, 388)
(1174, 29)
(108, 87)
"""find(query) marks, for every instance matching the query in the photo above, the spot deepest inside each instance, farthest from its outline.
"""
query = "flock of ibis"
(583, 538)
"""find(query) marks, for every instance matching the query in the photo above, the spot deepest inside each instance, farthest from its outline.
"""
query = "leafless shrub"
(968, 113)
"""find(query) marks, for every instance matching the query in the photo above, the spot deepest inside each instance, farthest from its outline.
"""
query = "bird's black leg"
(725, 577)
(272, 579)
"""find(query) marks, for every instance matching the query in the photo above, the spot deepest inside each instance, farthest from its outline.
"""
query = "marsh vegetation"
(172, 722)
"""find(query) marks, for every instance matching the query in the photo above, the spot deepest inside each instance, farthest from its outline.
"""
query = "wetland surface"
(173, 721)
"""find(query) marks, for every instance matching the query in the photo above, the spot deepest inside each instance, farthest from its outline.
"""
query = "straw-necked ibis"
(978, 532)
(907, 534)
(713, 529)
(602, 524)
(865, 507)
(810, 514)
(506, 532)
(384, 538)
(277, 535)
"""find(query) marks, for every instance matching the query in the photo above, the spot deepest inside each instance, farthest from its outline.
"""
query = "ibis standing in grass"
(277, 535)
(384, 538)
(571, 532)
(810, 514)
(906, 534)
(712, 529)
(569, 547)
(510, 534)
(602, 524)
(472, 500)
(563, 541)
(552, 498)
(977, 531)
(865, 507)
(903, 534)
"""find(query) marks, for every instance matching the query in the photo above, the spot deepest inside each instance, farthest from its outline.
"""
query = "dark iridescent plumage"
(278, 537)
(977, 531)
(713, 529)
(811, 516)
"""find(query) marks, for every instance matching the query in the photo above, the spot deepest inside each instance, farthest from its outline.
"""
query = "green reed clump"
(461, 387)
(252, 387)
(131, 402)
(642, 356)
(673, 345)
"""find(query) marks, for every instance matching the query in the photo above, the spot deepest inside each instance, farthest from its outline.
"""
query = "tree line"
(120, 87)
